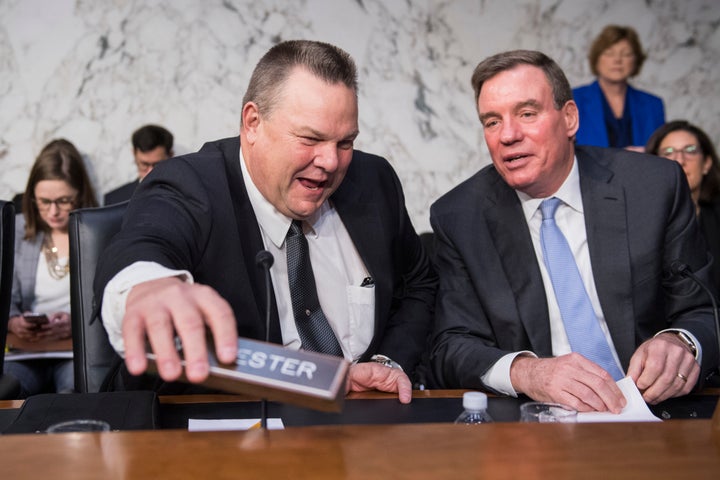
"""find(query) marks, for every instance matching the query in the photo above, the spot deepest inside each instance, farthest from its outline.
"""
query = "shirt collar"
(569, 192)
(274, 224)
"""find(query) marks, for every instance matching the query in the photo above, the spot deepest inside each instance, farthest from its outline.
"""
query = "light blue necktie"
(581, 325)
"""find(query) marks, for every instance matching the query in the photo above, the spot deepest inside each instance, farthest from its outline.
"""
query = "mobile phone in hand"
(37, 319)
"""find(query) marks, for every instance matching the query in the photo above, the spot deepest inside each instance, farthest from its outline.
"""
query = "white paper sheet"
(636, 409)
(205, 425)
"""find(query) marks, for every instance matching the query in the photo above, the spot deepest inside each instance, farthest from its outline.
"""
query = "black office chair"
(90, 230)
(428, 241)
(9, 386)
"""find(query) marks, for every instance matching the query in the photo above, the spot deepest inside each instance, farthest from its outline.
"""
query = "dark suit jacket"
(647, 113)
(710, 226)
(121, 194)
(491, 301)
(193, 212)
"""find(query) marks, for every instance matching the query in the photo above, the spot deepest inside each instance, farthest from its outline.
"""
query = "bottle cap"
(475, 401)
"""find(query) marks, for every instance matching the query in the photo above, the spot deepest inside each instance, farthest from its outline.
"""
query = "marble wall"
(94, 70)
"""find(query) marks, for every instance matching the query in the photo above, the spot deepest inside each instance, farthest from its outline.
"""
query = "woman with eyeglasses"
(691, 147)
(612, 112)
(40, 310)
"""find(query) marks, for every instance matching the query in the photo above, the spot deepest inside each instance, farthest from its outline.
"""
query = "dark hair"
(58, 160)
(150, 137)
(328, 62)
(611, 35)
(710, 185)
(501, 62)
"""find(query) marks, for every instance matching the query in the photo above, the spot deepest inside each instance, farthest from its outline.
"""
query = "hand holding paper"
(636, 409)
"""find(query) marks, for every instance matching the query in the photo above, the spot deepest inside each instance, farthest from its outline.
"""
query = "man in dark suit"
(501, 323)
(197, 222)
(151, 145)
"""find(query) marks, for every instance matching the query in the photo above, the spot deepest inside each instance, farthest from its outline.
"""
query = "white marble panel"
(94, 71)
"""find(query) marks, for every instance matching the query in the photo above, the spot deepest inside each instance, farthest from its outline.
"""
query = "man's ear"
(250, 121)
(572, 118)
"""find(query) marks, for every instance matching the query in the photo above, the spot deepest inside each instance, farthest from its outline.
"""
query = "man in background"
(151, 145)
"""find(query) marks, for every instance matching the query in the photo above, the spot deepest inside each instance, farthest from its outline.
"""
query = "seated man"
(292, 183)
(555, 261)
(151, 145)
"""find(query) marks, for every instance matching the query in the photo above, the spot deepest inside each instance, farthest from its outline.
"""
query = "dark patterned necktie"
(314, 329)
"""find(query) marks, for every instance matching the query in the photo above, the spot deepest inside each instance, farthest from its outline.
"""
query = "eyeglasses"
(63, 203)
(688, 151)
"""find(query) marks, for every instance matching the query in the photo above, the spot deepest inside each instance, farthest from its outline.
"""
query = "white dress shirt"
(339, 271)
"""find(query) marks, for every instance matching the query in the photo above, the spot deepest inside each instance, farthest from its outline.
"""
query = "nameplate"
(267, 370)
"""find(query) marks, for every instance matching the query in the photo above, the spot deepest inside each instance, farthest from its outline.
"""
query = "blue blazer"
(647, 111)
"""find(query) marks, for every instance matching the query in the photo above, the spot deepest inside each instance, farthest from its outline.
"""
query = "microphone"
(264, 260)
(682, 269)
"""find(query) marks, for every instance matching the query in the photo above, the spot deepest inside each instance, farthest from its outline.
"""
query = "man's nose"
(326, 157)
(510, 132)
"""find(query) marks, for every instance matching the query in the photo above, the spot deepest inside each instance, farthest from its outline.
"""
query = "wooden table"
(672, 449)
(675, 449)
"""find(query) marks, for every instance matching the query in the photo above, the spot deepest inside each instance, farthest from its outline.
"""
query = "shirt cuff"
(117, 290)
(498, 376)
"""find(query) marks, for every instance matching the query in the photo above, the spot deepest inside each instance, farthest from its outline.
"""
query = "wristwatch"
(385, 360)
(687, 341)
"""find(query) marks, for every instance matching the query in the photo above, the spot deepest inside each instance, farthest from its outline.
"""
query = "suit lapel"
(606, 226)
(251, 239)
(509, 231)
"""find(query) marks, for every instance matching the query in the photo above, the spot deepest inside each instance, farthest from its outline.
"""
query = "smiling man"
(291, 183)
(555, 261)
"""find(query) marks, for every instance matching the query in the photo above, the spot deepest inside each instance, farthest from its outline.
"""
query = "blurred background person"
(691, 147)
(58, 183)
(151, 145)
(612, 112)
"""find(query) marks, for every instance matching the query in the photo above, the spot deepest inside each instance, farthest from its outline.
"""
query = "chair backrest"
(7, 259)
(90, 231)
(428, 241)
(9, 386)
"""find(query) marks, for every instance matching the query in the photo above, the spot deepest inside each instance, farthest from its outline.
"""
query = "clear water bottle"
(475, 409)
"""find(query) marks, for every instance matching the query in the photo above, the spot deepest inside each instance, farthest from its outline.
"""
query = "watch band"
(385, 360)
(688, 341)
